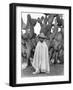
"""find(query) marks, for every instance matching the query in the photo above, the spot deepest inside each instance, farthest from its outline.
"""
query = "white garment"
(41, 58)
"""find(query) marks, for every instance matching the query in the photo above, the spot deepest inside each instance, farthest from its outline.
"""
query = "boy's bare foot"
(36, 72)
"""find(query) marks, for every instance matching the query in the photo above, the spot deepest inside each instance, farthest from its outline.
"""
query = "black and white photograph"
(41, 44)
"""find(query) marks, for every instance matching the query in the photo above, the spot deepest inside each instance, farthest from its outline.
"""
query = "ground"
(55, 69)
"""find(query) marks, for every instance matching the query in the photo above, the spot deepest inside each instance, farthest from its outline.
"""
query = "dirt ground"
(55, 69)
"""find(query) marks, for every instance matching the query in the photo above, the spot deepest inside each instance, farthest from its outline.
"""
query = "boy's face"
(41, 40)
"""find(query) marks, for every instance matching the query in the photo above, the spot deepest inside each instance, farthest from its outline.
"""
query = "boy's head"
(42, 37)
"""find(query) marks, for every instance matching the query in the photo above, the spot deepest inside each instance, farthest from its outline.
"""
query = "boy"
(41, 56)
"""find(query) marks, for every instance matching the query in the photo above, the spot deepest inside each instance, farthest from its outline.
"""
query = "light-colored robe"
(41, 58)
